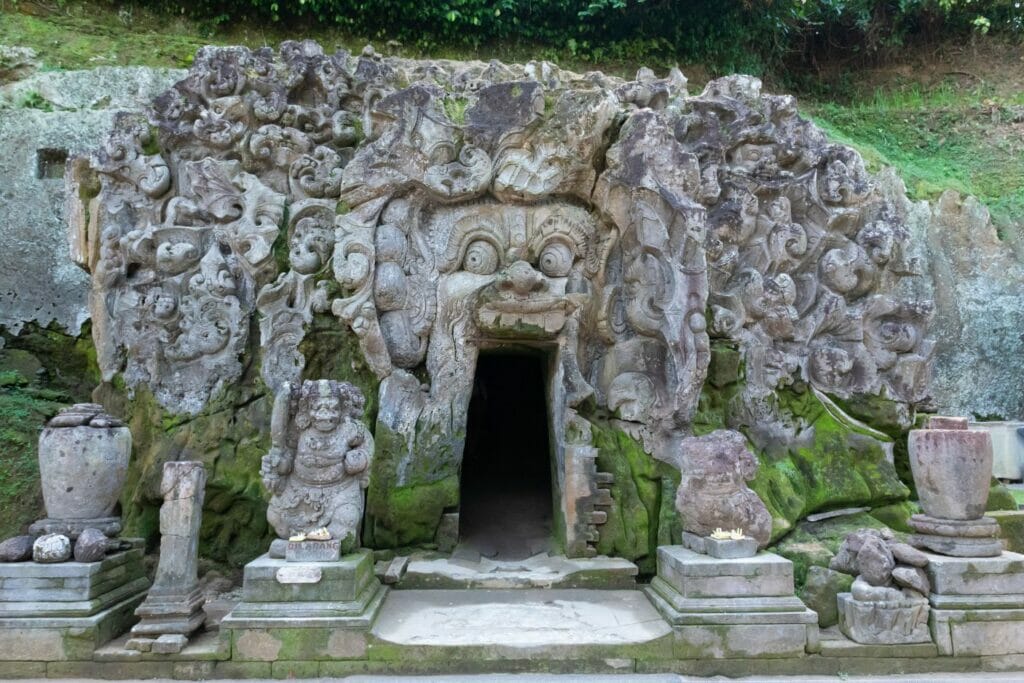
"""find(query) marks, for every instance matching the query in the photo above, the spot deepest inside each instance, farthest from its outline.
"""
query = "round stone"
(875, 562)
(17, 549)
(52, 548)
(91, 546)
(913, 578)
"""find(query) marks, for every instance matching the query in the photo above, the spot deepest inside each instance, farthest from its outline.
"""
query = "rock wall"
(781, 362)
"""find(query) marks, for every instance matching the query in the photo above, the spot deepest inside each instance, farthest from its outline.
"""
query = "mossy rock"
(1000, 497)
(813, 544)
(643, 514)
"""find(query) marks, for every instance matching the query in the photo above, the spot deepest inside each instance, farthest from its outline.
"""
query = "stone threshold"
(540, 571)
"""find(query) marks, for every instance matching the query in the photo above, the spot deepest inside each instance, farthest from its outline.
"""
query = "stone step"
(540, 571)
(519, 624)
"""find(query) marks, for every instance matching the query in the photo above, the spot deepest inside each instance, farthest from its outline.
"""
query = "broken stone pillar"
(952, 468)
(173, 610)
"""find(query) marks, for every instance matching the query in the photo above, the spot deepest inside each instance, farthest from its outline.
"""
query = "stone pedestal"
(54, 612)
(305, 610)
(977, 604)
(736, 608)
(894, 622)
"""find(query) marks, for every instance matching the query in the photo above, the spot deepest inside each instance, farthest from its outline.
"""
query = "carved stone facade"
(441, 209)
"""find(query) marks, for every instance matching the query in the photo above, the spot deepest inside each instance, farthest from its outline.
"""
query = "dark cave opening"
(506, 502)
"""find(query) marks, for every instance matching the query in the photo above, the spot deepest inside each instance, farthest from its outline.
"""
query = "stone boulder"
(52, 548)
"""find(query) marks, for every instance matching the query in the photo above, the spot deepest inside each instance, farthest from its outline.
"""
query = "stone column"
(174, 607)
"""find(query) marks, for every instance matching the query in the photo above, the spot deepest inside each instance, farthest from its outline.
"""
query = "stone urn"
(952, 468)
(83, 462)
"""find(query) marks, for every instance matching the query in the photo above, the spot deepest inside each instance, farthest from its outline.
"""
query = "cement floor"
(612, 678)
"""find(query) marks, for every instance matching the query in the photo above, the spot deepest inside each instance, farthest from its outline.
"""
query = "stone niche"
(521, 259)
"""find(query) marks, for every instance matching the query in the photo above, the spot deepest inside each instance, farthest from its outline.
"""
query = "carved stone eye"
(556, 260)
(481, 258)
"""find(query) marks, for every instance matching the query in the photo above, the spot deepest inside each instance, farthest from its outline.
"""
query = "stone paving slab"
(502, 624)
(540, 571)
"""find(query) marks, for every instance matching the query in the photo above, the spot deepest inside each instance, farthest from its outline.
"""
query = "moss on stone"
(832, 465)
(815, 543)
(1011, 528)
(42, 369)
(896, 515)
(1000, 497)
(643, 513)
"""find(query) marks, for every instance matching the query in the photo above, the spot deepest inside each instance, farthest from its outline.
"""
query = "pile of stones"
(92, 545)
(888, 602)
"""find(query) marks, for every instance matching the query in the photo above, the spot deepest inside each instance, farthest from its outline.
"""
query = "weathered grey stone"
(958, 547)
(912, 577)
(875, 562)
(17, 549)
(1002, 575)
(174, 604)
(83, 462)
(867, 592)
(979, 632)
(820, 590)
(714, 494)
(278, 548)
(982, 527)
(952, 470)
(51, 548)
(90, 546)
(16, 63)
(318, 466)
(904, 620)
(696, 576)
(904, 553)
(38, 282)
(730, 549)
(976, 280)
(169, 643)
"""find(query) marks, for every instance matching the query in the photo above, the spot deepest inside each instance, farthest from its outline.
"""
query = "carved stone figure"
(713, 493)
(83, 462)
(440, 208)
(319, 463)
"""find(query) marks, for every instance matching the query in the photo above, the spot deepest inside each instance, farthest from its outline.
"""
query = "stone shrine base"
(700, 616)
(732, 608)
(977, 604)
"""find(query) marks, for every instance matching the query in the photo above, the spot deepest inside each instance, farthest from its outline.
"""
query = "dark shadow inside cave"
(506, 496)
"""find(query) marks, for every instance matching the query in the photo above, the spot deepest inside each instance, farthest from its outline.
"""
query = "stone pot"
(952, 471)
(83, 462)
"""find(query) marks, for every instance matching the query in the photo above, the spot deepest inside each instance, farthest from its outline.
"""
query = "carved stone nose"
(522, 278)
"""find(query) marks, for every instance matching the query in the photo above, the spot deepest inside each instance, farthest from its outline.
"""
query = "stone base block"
(694, 575)
(50, 639)
(884, 623)
(978, 632)
(958, 547)
(280, 594)
(729, 609)
(956, 538)
(70, 589)
(179, 615)
(313, 551)
(978, 576)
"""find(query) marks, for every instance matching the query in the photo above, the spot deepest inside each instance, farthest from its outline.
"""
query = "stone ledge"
(353, 614)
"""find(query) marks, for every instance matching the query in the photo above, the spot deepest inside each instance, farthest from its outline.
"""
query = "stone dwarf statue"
(713, 493)
(319, 461)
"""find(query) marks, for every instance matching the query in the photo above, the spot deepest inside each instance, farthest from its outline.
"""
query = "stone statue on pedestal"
(319, 461)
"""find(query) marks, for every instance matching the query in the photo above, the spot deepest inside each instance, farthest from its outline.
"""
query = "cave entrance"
(506, 497)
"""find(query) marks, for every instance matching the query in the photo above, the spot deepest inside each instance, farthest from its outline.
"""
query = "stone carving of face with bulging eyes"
(521, 266)
(311, 246)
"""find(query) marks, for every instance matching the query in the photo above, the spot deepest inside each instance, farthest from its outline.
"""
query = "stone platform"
(304, 610)
(734, 608)
(977, 604)
(64, 611)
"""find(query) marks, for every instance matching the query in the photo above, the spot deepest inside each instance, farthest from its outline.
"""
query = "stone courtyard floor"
(625, 678)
